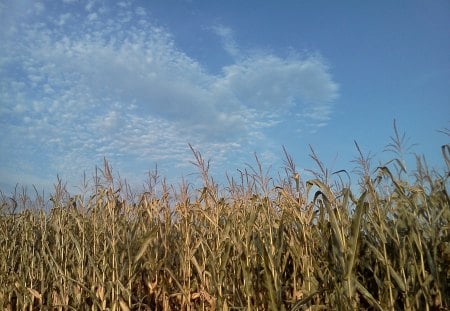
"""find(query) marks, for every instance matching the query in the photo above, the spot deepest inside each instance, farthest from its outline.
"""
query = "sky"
(136, 82)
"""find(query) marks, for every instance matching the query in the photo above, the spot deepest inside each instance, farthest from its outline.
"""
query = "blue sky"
(136, 81)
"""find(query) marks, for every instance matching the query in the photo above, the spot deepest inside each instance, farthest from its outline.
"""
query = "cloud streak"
(102, 82)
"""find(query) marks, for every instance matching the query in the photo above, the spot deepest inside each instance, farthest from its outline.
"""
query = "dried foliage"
(255, 244)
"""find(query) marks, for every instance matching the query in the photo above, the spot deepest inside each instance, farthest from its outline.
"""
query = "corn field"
(256, 243)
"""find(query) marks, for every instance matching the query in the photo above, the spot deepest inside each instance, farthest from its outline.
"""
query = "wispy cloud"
(76, 87)
(227, 36)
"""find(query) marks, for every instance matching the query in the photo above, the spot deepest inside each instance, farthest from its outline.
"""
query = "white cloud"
(90, 5)
(92, 17)
(123, 4)
(140, 11)
(105, 89)
(227, 36)
(270, 82)
(63, 18)
(39, 7)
